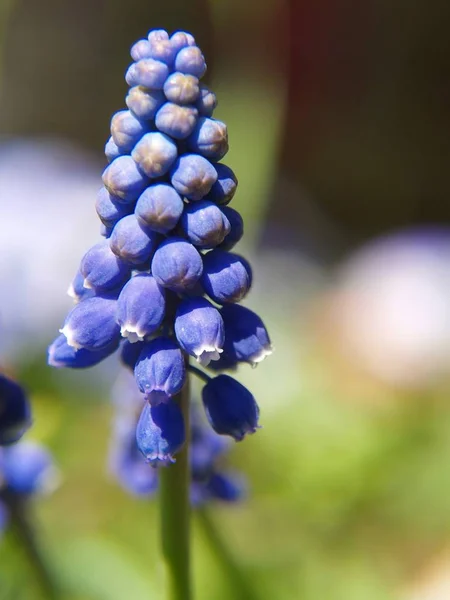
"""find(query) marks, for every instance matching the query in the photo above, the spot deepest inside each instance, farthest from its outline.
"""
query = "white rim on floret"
(206, 354)
(87, 285)
(261, 355)
(132, 333)
(72, 293)
(67, 331)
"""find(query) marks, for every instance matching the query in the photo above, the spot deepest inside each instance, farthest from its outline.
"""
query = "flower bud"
(245, 334)
(224, 188)
(176, 121)
(91, 324)
(176, 265)
(155, 153)
(147, 72)
(231, 409)
(28, 468)
(193, 176)
(132, 242)
(159, 207)
(140, 307)
(190, 61)
(199, 329)
(144, 103)
(236, 228)
(61, 355)
(204, 224)
(181, 39)
(160, 371)
(112, 151)
(181, 89)
(226, 487)
(102, 269)
(226, 277)
(123, 179)
(160, 433)
(141, 49)
(209, 138)
(161, 47)
(15, 415)
(109, 209)
(127, 130)
(206, 102)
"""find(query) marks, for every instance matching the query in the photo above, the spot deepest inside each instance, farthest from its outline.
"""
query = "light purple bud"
(91, 324)
(102, 269)
(204, 224)
(176, 121)
(237, 228)
(181, 39)
(28, 468)
(160, 370)
(147, 72)
(111, 150)
(123, 179)
(199, 330)
(226, 277)
(206, 102)
(141, 49)
(159, 207)
(140, 307)
(181, 88)
(246, 334)
(160, 433)
(224, 188)
(127, 130)
(144, 103)
(132, 242)
(160, 46)
(193, 176)
(177, 265)
(209, 138)
(191, 61)
(230, 407)
(155, 153)
(109, 209)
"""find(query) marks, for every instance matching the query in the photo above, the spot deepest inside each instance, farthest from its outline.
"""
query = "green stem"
(242, 588)
(199, 373)
(175, 516)
(22, 531)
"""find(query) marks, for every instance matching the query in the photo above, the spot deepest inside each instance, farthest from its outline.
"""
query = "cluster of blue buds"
(209, 481)
(26, 469)
(15, 413)
(164, 283)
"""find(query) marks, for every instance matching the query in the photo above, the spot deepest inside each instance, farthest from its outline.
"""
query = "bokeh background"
(339, 126)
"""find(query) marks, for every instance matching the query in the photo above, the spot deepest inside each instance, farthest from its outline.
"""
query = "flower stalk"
(175, 516)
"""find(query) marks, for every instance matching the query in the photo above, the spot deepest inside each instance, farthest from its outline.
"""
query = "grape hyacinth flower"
(165, 264)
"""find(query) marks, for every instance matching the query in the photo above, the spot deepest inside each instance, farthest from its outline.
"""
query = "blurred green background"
(338, 119)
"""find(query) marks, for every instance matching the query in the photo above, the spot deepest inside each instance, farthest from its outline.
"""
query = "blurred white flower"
(47, 197)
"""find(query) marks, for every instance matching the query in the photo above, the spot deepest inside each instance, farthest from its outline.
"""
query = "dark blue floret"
(230, 407)
(133, 242)
(140, 307)
(209, 138)
(224, 188)
(236, 228)
(77, 291)
(159, 207)
(110, 209)
(160, 370)
(176, 121)
(60, 354)
(102, 269)
(15, 415)
(144, 103)
(124, 180)
(129, 353)
(193, 176)
(177, 265)
(204, 224)
(160, 432)
(226, 277)
(246, 336)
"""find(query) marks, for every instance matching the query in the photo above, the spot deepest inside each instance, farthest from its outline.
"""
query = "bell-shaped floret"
(160, 371)
(175, 120)
(124, 180)
(127, 130)
(159, 207)
(230, 407)
(246, 334)
(204, 224)
(199, 329)
(160, 432)
(110, 209)
(226, 277)
(140, 307)
(224, 188)
(155, 153)
(61, 355)
(209, 138)
(193, 176)
(92, 325)
(144, 103)
(132, 242)
(177, 265)
(102, 269)
(236, 228)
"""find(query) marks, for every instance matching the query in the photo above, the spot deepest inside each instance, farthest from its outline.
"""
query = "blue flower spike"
(163, 286)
